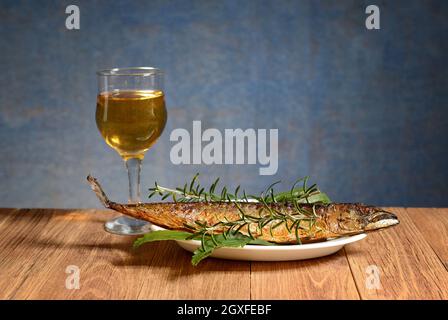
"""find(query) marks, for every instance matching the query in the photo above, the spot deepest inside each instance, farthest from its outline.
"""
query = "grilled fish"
(328, 220)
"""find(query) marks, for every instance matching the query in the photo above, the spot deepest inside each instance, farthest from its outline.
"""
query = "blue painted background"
(364, 113)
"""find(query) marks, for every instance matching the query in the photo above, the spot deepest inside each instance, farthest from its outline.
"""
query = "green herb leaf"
(316, 198)
(162, 235)
(261, 242)
(231, 240)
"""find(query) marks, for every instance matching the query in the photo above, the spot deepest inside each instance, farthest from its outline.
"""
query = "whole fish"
(322, 221)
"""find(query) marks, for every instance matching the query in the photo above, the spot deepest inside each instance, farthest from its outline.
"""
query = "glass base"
(127, 226)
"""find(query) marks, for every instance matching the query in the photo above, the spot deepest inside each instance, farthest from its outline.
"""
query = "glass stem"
(133, 165)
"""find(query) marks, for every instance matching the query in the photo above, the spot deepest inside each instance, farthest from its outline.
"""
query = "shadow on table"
(166, 255)
(25, 215)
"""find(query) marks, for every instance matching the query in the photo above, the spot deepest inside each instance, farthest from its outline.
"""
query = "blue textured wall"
(364, 113)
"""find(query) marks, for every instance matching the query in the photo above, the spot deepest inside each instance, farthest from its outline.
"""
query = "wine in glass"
(130, 115)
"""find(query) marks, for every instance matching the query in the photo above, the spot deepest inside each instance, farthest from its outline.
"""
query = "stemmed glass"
(131, 116)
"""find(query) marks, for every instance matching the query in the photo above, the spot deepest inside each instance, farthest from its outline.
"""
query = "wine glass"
(130, 115)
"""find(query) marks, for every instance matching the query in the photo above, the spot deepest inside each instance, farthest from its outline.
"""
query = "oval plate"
(274, 253)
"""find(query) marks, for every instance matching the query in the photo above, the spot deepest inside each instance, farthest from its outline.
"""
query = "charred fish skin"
(329, 220)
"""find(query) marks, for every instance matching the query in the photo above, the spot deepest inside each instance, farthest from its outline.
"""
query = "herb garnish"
(212, 237)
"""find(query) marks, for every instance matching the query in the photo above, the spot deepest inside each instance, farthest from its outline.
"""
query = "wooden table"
(38, 245)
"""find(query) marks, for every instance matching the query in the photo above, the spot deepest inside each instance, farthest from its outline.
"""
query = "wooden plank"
(16, 260)
(408, 267)
(38, 245)
(78, 239)
(323, 278)
(109, 267)
(173, 277)
(433, 224)
(6, 213)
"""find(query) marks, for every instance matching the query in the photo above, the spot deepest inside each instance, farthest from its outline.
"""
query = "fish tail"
(96, 187)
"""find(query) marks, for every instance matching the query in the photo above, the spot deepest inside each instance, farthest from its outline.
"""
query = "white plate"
(275, 253)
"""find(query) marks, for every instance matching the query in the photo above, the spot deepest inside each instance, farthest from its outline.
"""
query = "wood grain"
(37, 245)
(16, 257)
(433, 223)
(173, 277)
(50, 241)
(5, 214)
(77, 238)
(409, 268)
(324, 278)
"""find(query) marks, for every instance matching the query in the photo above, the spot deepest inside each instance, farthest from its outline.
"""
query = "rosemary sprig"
(293, 220)
(195, 192)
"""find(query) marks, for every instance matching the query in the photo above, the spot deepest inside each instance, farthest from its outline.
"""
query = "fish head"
(356, 218)
(378, 218)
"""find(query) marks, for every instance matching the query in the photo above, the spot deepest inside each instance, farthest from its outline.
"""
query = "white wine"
(131, 121)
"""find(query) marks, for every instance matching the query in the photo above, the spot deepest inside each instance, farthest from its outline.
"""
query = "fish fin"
(96, 187)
